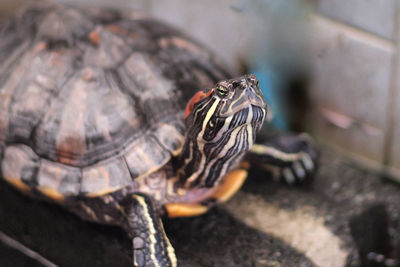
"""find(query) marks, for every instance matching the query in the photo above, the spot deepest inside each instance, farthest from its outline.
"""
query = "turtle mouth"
(259, 114)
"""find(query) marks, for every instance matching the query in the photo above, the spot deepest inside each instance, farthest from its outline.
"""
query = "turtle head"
(221, 126)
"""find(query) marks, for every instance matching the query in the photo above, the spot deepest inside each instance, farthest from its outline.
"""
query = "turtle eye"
(221, 91)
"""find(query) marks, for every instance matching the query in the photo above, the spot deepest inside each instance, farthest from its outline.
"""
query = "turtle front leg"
(289, 158)
(151, 246)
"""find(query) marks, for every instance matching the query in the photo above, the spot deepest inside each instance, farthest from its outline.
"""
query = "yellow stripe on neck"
(152, 229)
(200, 143)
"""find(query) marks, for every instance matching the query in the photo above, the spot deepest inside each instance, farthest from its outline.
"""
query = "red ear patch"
(196, 98)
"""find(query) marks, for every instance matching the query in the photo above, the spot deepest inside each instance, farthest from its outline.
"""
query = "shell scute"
(135, 36)
(61, 136)
(144, 81)
(89, 121)
(20, 166)
(35, 90)
(171, 134)
(108, 50)
(53, 177)
(65, 24)
(105, 178)
(145, 156)
(8, 87)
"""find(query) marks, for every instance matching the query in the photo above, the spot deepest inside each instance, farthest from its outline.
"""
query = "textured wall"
(355, 83)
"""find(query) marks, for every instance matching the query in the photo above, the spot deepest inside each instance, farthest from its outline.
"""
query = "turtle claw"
(290, 158)
(376, 259)
(308, 162)
(298, 171)
(288, 176)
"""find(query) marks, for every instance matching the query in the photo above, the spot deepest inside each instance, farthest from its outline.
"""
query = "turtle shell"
(92, 99)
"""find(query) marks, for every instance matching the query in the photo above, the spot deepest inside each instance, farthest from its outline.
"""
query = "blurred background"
(329, 67)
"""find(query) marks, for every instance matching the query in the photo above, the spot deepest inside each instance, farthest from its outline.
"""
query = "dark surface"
(59, 236)
(215, 239)
(339, 192)
(370, 231)
(12, 257)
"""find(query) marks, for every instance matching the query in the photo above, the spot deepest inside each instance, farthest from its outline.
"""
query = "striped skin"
(151, 246)
(221, 127)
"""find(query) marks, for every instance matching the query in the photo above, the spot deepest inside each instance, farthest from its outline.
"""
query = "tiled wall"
(376, 17)
(355, 83)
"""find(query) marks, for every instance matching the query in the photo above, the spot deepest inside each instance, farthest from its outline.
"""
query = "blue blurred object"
(271, 84)
(278, 53)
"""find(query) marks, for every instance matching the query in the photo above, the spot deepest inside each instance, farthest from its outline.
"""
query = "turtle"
(124, 120)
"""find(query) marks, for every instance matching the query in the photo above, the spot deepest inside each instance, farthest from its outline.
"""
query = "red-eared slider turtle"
(121, 120)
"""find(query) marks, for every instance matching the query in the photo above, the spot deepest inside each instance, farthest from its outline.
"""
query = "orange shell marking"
(196, 98)
(16, 182)
(52, 193)
(94, 36)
